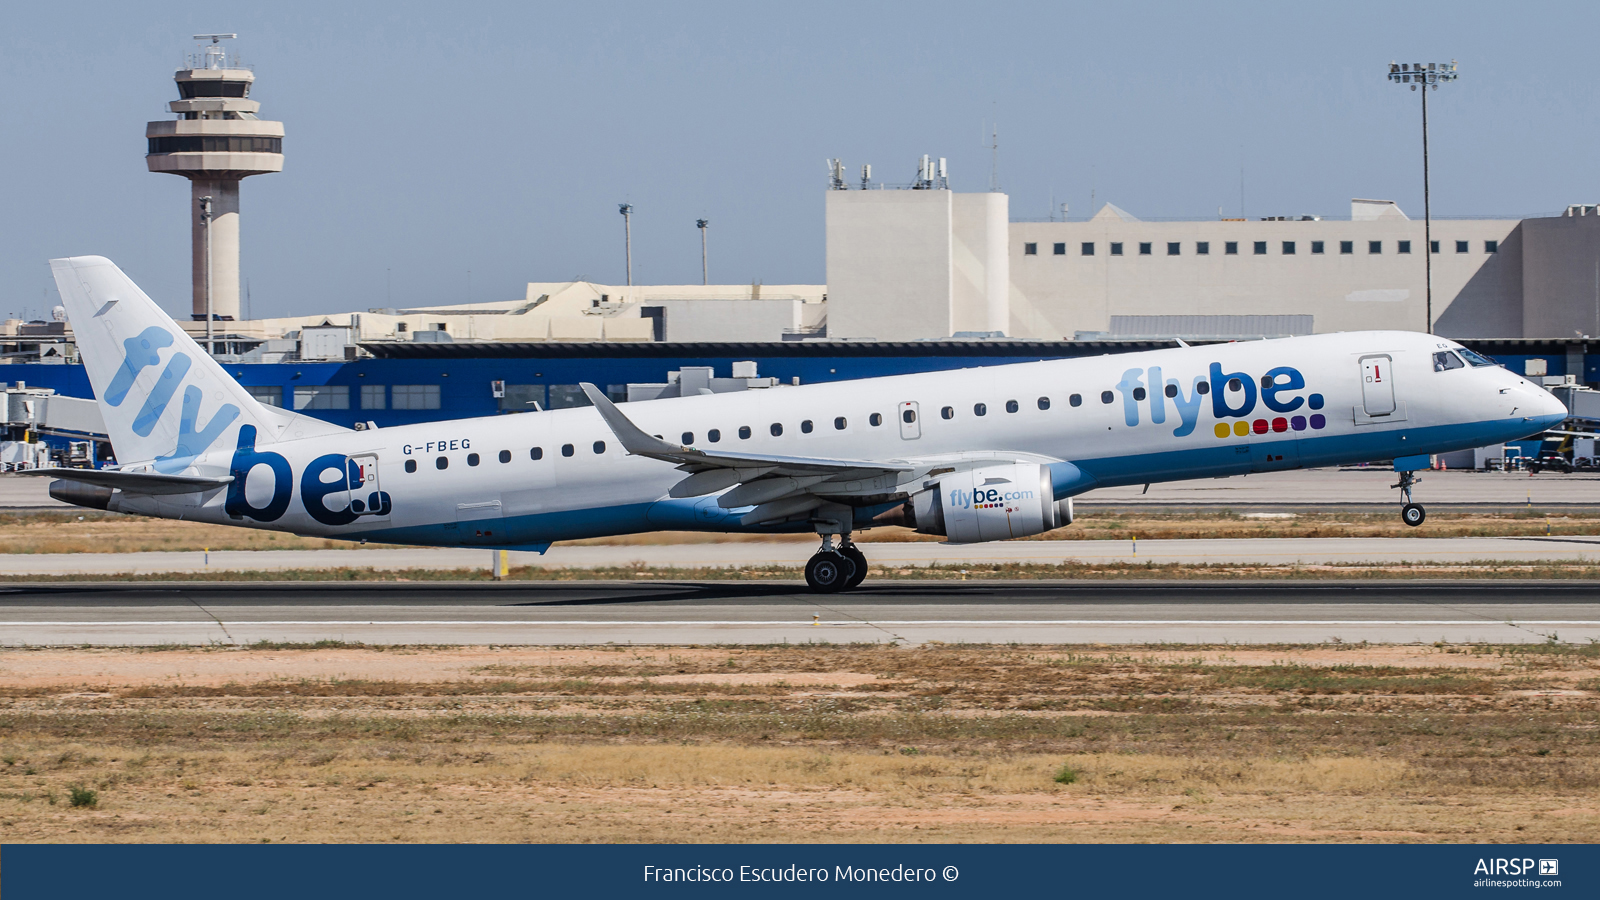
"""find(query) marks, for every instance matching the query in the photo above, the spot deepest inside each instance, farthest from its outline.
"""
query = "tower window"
(1231, 248)
(1030, 249)
(1461, 246)
(1174, 248)
(1347, 247)
(1403, 247)
(1202, 248)
(1288, 248)
(1491, 246)
(1087, 249)
(1260, 248)
(1060, 249)
(1116, 249)
(1317, 247)
(1145, 248)
(1374, 246)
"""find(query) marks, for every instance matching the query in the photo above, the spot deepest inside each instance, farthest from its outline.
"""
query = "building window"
(567, 396)
(1435, 247)
(325, 396)
(1461, 246)
(267, 395)
(1030, 249)
(1491, 246)
(411, 466)
(1059, 249)
(1347, 247)
(1231, 248)
(414, 396)
(980, 409)
(1106, 397)
(744, 432)
(1374, 246)
(1087, 249)
(1288, 248)
(1402, 247)
(1317, 247)
(522, 398)
(567, 450)
(1261, 248)
(1144, 248)
(1116, 248)
(1174, 248)
(374, 396)
(1202, 248)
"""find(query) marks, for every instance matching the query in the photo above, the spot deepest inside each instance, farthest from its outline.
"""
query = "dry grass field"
(96, 532)
(801, 743)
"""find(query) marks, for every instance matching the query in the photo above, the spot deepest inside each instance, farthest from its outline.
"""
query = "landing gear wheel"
(859, 559)
(829, 571)
(1413, 514)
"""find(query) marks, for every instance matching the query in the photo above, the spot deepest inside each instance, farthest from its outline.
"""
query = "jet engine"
(991, 503)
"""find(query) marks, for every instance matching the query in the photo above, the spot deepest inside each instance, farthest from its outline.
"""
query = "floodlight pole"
(705, 271)
(205, 219)
(627, 236)
(1428, 77)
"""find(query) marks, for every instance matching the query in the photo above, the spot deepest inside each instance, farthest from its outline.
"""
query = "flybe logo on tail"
(144, 351)
(1234, 395)
(333, 477)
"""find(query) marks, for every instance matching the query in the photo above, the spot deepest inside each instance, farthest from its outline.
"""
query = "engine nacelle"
(991, 503)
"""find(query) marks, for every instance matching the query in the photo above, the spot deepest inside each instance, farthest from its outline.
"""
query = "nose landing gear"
(833, 569)
(1410, 513)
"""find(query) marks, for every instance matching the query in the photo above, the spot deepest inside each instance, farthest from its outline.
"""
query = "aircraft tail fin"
(165, 401)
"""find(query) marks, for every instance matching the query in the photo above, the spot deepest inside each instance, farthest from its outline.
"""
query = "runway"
(769, 613)
(1250, 551)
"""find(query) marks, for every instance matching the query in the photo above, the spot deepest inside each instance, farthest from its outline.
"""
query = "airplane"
(981, 454)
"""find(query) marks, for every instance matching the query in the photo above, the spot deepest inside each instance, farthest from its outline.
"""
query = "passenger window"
(411, 465)
(1011, 406)
(1106, 397)
(1444, 359)
(1266, 381)
(908, 416)
(713, 436)
(980, 409)
(537, 453)
(1075, 400)
(442, 462)
(805, 426)
(875, 419)
(688, 437)
(505, 456)
(566, 450)
(1044, 402)
(744, 432)
(1203, 387)
(599, 446)
(1138, 393)
(1172, 390)
(472, 459)
(1235, 385)
(949, 412)
(776, 429)
(839, 424)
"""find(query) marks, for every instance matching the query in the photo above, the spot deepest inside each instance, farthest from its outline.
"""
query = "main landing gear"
(1411, 513)
(833, 569)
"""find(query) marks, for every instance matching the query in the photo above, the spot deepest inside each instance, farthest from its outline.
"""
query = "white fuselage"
(529, 479)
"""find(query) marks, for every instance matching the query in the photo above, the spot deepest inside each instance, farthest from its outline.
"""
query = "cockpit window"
(1476, 359)
(1444, 359)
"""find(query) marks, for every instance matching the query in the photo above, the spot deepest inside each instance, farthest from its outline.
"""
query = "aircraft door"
(910, 425)
(1377, 385)
(366, 497)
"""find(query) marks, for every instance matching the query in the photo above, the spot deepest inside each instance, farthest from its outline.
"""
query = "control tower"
(215, 141)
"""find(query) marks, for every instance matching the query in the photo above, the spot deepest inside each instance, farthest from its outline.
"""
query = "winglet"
(632, 438)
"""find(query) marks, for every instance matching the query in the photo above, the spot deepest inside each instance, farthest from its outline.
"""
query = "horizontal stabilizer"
(136, 482)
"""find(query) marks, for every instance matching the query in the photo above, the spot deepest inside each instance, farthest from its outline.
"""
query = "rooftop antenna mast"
(994, 160)
(705, 269)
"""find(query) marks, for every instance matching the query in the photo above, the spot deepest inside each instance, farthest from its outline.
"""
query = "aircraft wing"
(713, 470)
(136, 482)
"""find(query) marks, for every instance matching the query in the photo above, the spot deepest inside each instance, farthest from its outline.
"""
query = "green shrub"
(1066, 775)
(84, 797)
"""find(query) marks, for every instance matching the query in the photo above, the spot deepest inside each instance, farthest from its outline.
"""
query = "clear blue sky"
(427, 140)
